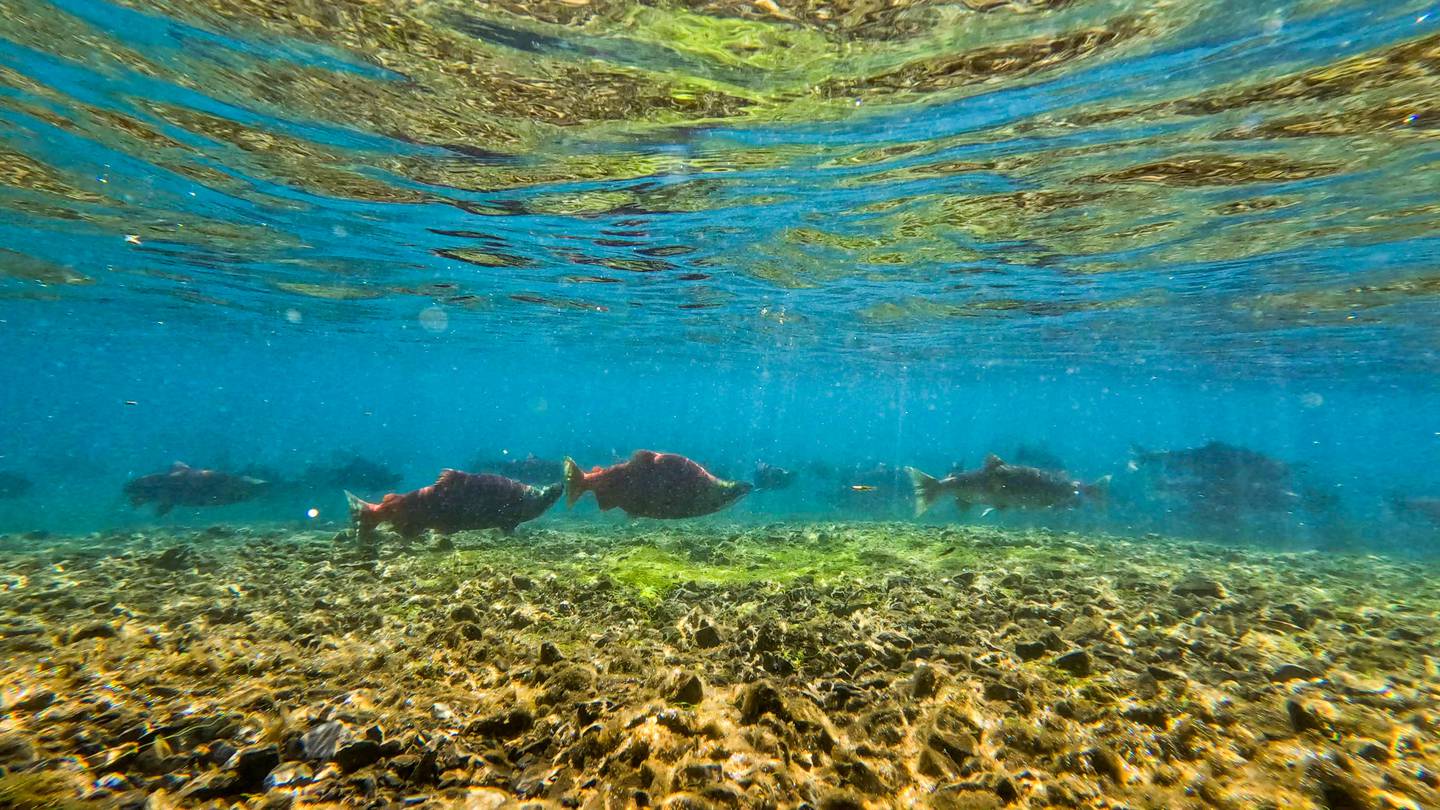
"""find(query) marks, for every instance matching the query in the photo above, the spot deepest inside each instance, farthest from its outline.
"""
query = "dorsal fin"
(643, 455)
(179, 466)
(992, 461)
(447, 475)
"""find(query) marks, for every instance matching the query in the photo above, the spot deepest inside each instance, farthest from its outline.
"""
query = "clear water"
(265, 233)
(841, 237)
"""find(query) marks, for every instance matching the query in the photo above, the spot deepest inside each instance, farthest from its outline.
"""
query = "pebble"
(549, 654)
(88, 631)
(688, 689)
(707, 636)
(16, 751)
(321, 742)
(1201, 586)
(1292, 672)
(1075, 662)
(924, 682)
(356, 755)
(252, 764)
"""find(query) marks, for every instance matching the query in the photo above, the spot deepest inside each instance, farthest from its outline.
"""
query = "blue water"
(203, 260)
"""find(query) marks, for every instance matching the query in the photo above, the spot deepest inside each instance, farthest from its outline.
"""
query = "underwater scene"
(689, 404)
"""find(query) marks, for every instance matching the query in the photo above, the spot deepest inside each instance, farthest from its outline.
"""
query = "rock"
(1163, 674)
(34, 700)
(706, 636)
(698, 774)
(16, 751)
(216, 785)
(1310, 715)
(520, 582)
(358, 754)
(252, 764)
(688, 689)
(321, 742)
(549, 654)
(1075, 662)
(464, 613)
(1030, 650)
(1334, 789)
(87, 631)
(924, 682)
(1197, 585)
(1000, 691)
(509, 723)
(176, 558)
(1292, 672)
(1373, 751)
(759, 699)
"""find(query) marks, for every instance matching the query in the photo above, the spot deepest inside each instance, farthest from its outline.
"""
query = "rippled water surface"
(1230, 186)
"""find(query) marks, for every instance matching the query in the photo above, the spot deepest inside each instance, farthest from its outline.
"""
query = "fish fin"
(987, 511)
(575, 484)
(359, 508)
(1138, 453)
(644, 455)
(179, 466)
(992, 461)
(1098, 491)
(446, 475)
(162, 508)
(927, 490)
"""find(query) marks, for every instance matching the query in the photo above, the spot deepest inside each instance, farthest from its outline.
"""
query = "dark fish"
(1424, 506)
(1035, 455)
(768, 476)
(531, 469)
(13, 485)
(352, 472)
(998, 485)
(183, 486)
(1212, 461)
(457, 501)
(655, 485)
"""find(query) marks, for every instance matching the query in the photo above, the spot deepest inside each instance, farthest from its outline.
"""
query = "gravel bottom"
(652, 665)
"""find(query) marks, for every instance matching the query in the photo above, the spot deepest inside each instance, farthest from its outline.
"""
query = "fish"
(1424, 506)
(998, 485)
(352, 472)
(863, 488)
(1210, 461)
(457, 501)
(14, 485)
(654, 485)
(531, 469)
(768, 476)
(185, 486)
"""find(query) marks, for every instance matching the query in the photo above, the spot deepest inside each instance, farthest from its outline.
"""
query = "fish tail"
(575, 485)
(927, 490)
(1098, 491)
(360, 512)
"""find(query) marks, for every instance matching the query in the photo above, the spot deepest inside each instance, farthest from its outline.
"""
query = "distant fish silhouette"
(998, 485)
(184, 486)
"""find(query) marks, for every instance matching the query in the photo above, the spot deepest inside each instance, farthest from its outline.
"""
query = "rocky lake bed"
(825, 666)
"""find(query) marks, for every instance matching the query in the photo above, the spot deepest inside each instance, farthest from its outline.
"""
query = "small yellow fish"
(862, 488)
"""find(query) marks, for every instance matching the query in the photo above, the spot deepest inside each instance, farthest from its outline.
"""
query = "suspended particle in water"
(1274, 25)
(312, 513)
(434, 319)
(1312, 400)
(294, 316)
(339, 231)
